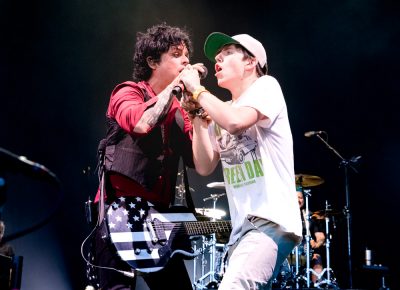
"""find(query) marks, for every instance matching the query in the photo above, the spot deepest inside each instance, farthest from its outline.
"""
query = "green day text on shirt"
(241, 158)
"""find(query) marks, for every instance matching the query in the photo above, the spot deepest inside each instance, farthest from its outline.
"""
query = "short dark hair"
(151, 44)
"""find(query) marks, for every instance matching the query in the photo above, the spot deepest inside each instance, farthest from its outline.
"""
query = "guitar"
(146, 239)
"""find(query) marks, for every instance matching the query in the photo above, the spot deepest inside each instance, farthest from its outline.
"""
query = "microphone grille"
(203, 75)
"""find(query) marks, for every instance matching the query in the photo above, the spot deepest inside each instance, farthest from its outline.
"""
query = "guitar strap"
(188, 196)
(101, 200)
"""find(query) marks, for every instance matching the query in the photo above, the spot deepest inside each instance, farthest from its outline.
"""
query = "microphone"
(312, 133)
(36, 167)
(22, 164)
(178, 89)
(203, 75)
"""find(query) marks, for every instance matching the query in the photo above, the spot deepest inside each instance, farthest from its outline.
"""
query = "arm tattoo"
(154, 114)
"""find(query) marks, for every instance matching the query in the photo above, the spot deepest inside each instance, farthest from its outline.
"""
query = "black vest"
(146, 157)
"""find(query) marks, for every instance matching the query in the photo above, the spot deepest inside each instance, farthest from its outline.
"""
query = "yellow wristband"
(198, 91)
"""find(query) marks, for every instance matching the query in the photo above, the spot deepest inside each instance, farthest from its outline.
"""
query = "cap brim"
(214, 42)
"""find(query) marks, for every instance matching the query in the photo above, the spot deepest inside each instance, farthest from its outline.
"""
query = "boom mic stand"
(345, 164)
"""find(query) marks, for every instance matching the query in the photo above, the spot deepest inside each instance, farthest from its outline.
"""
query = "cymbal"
(212, 213)
(326, 212)
(306, 180)
(216, 185)
(214, 196)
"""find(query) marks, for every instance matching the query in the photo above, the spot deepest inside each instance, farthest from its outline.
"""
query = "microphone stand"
(346, 164)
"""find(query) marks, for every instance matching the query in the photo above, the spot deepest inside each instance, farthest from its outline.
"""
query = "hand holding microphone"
(201, 69)
(190, 78)
(189, 70)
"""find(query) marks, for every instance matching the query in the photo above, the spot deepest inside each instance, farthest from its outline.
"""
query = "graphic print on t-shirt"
(240, 158)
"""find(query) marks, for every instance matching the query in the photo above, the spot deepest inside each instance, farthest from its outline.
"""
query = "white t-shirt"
(258, 165)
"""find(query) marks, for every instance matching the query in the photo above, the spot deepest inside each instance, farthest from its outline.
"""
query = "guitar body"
(146, 239)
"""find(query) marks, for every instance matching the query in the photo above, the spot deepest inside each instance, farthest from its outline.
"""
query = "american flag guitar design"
(146, 239)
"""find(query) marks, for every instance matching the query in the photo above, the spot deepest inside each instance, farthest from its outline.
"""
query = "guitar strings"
(190, 227)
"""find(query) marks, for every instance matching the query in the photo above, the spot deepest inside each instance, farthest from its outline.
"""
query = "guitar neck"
(207, 227)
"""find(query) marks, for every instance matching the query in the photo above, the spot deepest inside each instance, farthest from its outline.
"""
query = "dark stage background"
(338, 65)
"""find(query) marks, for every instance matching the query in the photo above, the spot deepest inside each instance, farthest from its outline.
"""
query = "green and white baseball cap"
(216, 40)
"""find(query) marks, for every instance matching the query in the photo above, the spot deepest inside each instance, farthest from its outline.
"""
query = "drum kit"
(296, 271)
(208, 267)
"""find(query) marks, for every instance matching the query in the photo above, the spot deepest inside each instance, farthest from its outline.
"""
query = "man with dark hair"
(148, 134)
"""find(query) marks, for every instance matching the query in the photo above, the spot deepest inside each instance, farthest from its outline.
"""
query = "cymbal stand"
(306, 216)
(199, 284)
(295, 276)
(297, 266)
(211, 243)
(329, 281)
